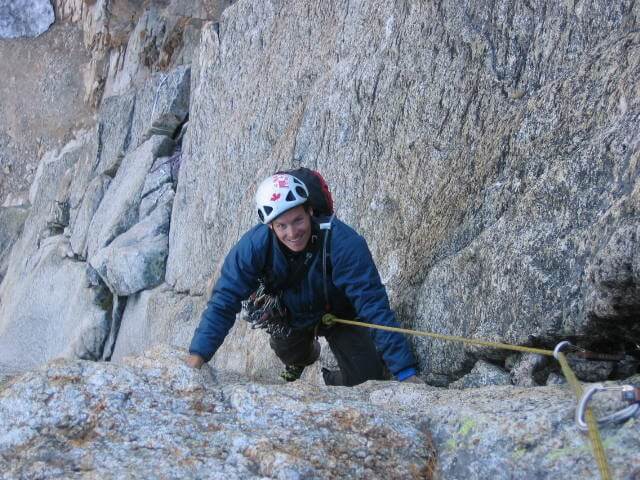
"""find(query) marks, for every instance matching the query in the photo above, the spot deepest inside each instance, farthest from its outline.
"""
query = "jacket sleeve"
(355, 273)
(238, 278)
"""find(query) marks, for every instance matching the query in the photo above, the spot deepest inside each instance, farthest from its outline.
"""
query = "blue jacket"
(354, 290)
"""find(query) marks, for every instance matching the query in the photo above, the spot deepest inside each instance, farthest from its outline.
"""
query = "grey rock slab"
(613, 273)
(83, 214)
(156, 316)
(162, 196)
(25, 18)
(118, 210)
(482, 375)
(50, 311)
(49, 181)
(136, 259)
(114, 127)
(154, 416)
(11, 223)
(161, 105)
(474, 158)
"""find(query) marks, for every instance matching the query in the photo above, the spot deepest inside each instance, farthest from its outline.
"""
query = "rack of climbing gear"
(265, 310)
(585, 419)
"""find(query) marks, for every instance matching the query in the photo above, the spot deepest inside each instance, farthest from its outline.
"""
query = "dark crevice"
(175, 160)
(117, 313)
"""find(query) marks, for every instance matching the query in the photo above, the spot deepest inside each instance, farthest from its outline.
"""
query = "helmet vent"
(261, 215)
(290, 196)
(301, 191)
(268, 209)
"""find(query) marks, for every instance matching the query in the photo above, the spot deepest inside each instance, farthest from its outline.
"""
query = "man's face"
(293, 228)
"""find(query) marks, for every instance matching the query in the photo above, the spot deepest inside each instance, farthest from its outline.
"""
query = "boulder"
(506, 432)
(135, 260)
(118, 210)
(482, 375)
(25, 18)
(525, 369)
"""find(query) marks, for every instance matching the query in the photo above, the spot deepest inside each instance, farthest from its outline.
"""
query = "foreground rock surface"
(153, 417)
(156, 418)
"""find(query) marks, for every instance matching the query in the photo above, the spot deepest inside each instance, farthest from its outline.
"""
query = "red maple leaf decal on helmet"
(275, 197)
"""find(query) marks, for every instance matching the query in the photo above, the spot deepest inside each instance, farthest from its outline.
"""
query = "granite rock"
(154, 416)
(25, 18)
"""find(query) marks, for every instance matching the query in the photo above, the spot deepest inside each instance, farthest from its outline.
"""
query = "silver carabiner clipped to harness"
(629, 393)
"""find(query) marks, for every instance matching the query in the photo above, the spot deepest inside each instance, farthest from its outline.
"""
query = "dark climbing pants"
(352, 346)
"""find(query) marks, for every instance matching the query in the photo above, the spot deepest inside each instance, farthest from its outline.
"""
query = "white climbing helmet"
(279, 193)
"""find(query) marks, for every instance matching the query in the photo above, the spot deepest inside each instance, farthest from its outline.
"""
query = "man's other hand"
(194, 361)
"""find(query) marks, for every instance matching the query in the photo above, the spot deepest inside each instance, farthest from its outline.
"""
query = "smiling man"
(294, 267)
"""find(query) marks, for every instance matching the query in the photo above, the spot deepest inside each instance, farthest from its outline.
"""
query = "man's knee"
(357, 357)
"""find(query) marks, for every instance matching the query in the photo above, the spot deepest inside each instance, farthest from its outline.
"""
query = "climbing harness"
(585, 419)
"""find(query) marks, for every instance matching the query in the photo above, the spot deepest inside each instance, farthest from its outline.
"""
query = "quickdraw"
(629, 393)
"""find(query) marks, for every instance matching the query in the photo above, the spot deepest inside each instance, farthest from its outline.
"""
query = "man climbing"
(294, 267)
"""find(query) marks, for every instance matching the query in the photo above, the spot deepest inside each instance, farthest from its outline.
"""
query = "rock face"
(156, 417)
(508, 432)
(153, 416)
(489, 155)
(487, 150)
(12, 220)
(96, 231)
(47, 308)
(505, 170)
(39, 102)
(25, 18)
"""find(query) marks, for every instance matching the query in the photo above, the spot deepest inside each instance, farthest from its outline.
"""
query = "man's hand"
(194, 361)
(413, 379)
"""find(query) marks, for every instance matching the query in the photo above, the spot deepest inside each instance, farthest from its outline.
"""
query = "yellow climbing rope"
(329, 319)
(594, 433)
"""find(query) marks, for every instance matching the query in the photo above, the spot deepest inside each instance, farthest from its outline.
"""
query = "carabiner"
(622, 415)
